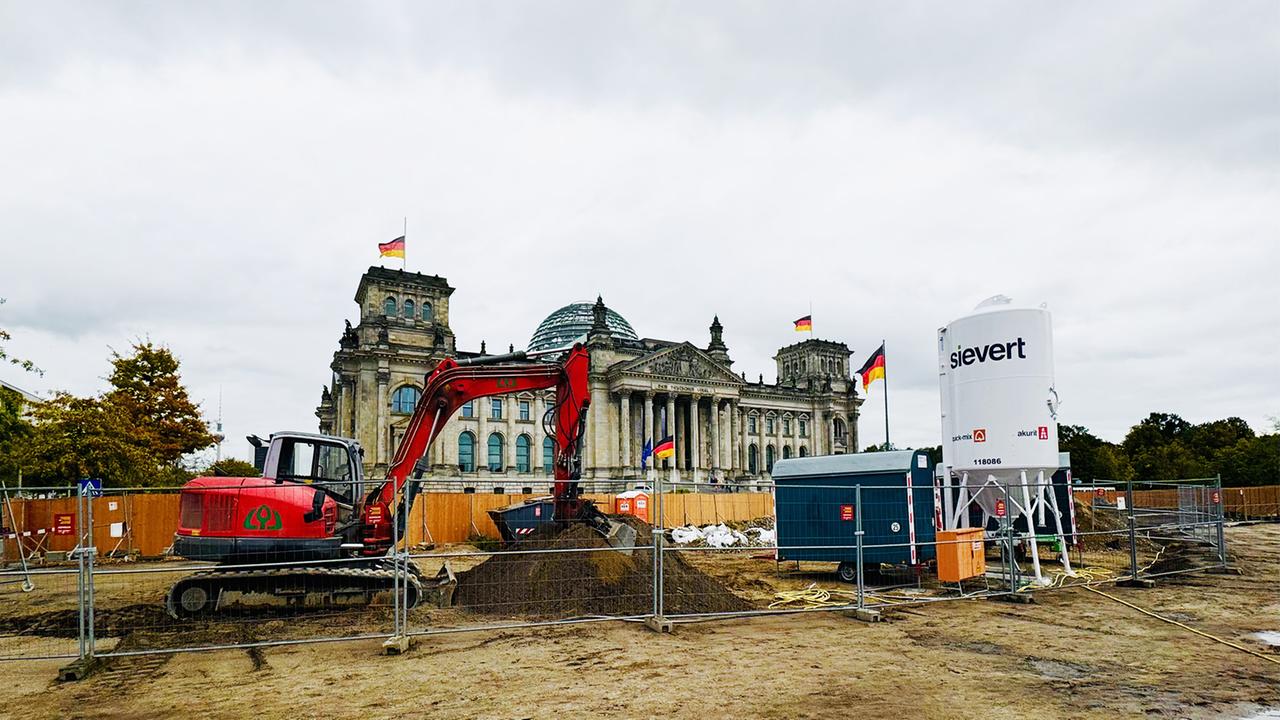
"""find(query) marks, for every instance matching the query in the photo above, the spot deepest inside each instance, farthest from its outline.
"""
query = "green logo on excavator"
(262, 518)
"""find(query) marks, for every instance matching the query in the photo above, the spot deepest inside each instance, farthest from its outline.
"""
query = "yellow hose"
(1185, 627)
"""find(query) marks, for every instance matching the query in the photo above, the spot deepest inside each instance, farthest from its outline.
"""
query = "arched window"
(786, 452)
(838, 427)
(389, 307)
(426, 311)
(548, 454)
(409, 309)
(404, 399)
(466, 452)
(768, 458)
(804, 451)
(495, 453)
(753, 459)
(523, 446)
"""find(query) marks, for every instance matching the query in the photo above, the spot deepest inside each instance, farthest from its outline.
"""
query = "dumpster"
(816, 508)
(516, 521)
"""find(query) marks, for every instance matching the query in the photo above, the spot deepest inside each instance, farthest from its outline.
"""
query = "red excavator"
(311, 504)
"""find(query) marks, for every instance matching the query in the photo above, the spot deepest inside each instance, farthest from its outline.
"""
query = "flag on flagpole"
(666, 448)
(644, 454)
(873, 368)
(805, 324)
(395, 248)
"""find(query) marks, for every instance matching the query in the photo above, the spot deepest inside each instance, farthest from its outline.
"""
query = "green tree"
(148, 391)
(231, 467)
(1250, 462)
(74, 438)
(14, 429)
(1093, 458)
(6, 357)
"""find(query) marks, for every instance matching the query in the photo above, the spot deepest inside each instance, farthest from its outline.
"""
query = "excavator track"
(206, 592)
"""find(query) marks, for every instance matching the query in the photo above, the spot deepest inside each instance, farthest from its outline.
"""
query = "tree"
(74, 438)
(14, 429)
(149, 391)
(1157, 430)
(231, 467)
(6, 357)
(1093, 458)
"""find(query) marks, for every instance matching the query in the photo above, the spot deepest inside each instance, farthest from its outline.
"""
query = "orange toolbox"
(960, 554)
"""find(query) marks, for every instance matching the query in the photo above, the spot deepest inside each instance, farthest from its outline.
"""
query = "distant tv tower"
(217, 428)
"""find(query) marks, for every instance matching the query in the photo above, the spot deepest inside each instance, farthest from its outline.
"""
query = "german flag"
(873, 368)
(805, 324)
(666, 448)
(395, 248)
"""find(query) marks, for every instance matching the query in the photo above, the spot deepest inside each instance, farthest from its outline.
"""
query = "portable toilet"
(815, 506)
(634, 503)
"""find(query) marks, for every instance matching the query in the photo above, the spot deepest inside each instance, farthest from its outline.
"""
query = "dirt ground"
(1072, 654)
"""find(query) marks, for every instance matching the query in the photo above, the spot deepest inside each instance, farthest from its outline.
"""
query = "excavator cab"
(332, 464)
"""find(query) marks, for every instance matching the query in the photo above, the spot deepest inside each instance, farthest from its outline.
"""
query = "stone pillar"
(384, 377)
(695, 435)
(535, 452)
(648, 419)
(715, 436)
(624, 417)
(735, 444)
(509, 404)
(671, 428)
(678, 424)
(482, 435)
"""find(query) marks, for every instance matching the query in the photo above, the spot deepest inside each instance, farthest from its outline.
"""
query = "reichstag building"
(727, 429)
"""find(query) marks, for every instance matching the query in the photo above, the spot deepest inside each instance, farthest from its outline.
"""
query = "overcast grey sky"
(216, 177)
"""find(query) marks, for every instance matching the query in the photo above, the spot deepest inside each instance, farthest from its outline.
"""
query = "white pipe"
(1035, 552)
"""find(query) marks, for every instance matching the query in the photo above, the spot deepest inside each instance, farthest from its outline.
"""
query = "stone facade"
(726, 429)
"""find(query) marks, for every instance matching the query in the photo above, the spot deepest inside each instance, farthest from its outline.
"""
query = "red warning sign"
(980, 435)
(846, 512)
(1000, 510)
(64, 524)
(1043, 432)
(1100, 492)
(1216, 497)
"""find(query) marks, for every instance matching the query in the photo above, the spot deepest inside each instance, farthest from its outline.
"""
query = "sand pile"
(602, 581)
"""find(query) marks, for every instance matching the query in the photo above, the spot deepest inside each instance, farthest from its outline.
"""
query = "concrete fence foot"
(1225, 570)
(1144, 583)
(79, 669)
(865, 615)
(658, 624)
(1021, 598)
(397, 645)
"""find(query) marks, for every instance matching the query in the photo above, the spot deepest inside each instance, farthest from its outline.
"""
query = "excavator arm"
(456, 382)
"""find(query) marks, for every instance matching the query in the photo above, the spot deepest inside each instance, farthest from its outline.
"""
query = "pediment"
(681, 362)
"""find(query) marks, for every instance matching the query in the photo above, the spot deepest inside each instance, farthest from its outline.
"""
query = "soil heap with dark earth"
(599, 581)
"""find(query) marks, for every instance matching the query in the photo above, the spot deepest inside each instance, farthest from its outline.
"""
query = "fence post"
(1133, 532)
(857, 499)
(92, 552)
(1221, 516)
(81, 584)
(398, 642)
(1011, 558)
(657, 621)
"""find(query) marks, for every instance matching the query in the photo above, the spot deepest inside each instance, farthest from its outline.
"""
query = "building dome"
(571, 323)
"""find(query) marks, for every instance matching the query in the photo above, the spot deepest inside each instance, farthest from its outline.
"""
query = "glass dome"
(570, 324)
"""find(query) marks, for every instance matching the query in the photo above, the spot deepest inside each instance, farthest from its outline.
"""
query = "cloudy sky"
(215, 177)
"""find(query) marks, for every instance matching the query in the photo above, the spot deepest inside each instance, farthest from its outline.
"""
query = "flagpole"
(404, 255)
(885, 363)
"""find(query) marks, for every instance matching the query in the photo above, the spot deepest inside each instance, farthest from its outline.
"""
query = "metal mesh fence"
(158, 571)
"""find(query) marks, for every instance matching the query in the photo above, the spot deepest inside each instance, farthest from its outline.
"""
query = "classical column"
(648, 419)
(535, 452)
(735, 446)
(715, 435)
(695, 435)
(481, 448)
(671, 428)
(624, 408)
(509, 404)
(384, 377)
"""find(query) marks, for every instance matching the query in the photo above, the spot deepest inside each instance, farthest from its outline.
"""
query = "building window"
(404, 399)
(786, 452)
(524, 410)
(495, 409)
(495, 453)
(523, 446)
(389, 307)
(469, 409)
(426, 311)
(804, 428)
(768, 458)
(751, 424)
(548, 454)
(786, 426)
(768, 426)
(467, 452)
(804, 452)
(753, 461)
(838, 426)
(409, 309)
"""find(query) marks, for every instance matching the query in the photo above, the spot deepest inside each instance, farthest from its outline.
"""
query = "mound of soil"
(596, 580)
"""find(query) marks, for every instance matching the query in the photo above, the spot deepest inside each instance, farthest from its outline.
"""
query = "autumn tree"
(148, 391)
(76, 437)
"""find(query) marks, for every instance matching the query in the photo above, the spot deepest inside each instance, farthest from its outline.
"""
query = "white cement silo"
(999, 411)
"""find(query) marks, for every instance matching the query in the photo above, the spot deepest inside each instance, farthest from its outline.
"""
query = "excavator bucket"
(620, 536)
(438, 591)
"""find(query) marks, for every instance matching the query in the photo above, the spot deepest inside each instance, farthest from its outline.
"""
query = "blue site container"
(516, 521)
(815, 505)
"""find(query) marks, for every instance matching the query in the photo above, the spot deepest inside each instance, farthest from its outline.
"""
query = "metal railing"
(816, 547)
